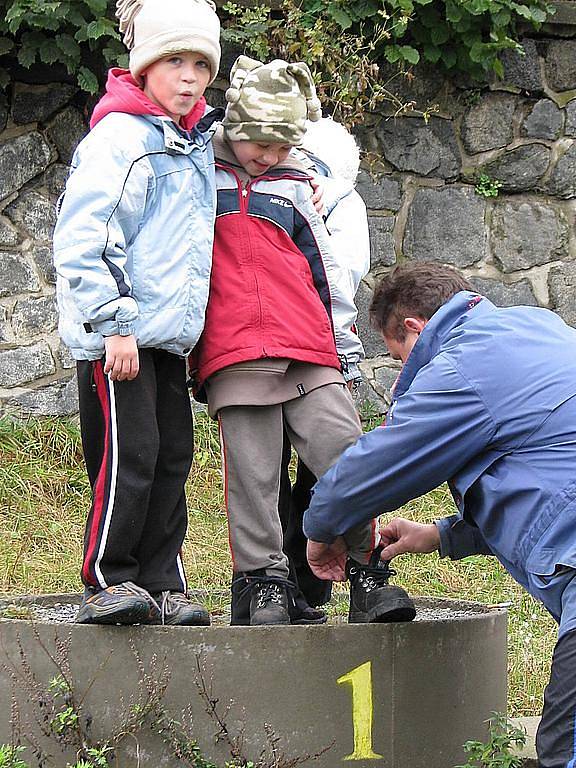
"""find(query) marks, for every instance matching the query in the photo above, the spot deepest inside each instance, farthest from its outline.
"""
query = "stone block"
(59, 399)
(64, 357)
(36, 103)
(8, 235)
(520, 169)
(215, 97)
(25, 364)
(502, 294)
(570, 127)
(562, 287)
(385, 377)
(420, 85)
(42, 255)
(382, 193)
(56, 177)
(562, 180)
(4, 328)
(21, 159)
(447, 225)
(35, 213)
(373, 342)
(372, 694)
(66, 131)
(34, 315)
(369, 404)
(545, 121)
(488, 124)
(560, 65)
(413, 146)
(527, 234)
(16, 275)
(382, 251)
(523, 71)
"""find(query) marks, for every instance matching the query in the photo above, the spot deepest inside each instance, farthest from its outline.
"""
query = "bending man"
(486, 400)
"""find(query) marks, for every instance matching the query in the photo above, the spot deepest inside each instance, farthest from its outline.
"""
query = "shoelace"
(371, 577)
(269, 593)
(169, 602)
(249, 582)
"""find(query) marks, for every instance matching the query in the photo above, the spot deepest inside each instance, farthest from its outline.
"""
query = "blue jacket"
(133, 240)
(487, 402)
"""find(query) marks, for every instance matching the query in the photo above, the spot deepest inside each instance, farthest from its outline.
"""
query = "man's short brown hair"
(413, 290)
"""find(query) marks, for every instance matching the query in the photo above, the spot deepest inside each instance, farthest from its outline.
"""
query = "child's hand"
(317, 195)
(121, 357)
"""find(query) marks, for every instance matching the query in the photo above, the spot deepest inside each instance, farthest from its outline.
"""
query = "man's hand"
(328, 561)
(401, 535)
(121, 357)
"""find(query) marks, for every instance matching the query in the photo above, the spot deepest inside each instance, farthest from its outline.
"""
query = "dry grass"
(44, 496)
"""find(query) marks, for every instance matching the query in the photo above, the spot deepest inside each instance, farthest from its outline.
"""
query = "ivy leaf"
(100, 28)
(449, 57)
(68, 46)
(6, 45)
(49, 52)
(392, 53)
(410, 54)
(340, 16)
(27, 56)
(431, 53)
(87, 80)
(98, 7)
(439, 34)
(498, 68)
(453, 12)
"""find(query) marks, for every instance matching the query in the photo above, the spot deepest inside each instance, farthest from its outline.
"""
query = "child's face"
(257, 157)
(176, 82)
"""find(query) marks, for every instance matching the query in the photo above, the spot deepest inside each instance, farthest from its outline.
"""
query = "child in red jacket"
(278, 343)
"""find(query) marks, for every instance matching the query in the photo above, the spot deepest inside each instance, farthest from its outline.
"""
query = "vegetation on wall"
(349, 44)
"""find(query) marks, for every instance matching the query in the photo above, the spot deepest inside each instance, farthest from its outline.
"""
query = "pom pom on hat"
(270, 102)
(153, 29)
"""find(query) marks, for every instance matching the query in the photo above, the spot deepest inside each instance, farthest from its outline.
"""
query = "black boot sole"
(401, 610)
(133, 615)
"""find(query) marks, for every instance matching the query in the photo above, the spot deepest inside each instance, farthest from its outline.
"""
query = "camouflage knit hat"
(269, 102)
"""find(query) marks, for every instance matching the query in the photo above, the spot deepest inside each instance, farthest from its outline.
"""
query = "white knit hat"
(157, 28)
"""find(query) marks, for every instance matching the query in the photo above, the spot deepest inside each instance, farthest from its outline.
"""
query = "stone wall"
(418, 182)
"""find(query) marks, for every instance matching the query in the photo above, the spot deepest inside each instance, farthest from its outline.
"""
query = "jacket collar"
(447, 323)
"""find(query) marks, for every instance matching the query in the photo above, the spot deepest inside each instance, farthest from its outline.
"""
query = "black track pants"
(137, 438)
(556, 737)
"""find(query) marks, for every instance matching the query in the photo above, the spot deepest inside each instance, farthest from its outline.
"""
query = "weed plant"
(44, 496)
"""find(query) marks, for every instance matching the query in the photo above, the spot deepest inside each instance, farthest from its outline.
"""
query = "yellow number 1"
(361, 681)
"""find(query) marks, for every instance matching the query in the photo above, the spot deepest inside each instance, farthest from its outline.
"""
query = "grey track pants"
(320, 425)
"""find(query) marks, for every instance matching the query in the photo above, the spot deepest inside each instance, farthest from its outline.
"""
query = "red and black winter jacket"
(273, 275)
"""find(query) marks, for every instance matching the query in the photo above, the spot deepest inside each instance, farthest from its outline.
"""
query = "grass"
(44, 496)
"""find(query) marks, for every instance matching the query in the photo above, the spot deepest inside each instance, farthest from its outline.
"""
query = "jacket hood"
(335, 146)
(123, 94)
(443, 323)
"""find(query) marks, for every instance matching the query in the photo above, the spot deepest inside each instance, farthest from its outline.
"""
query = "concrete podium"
(381, 695)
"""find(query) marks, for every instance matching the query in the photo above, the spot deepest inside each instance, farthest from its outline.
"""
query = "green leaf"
(49, 52)
(340, 16)
(431, 53)
(68, 45)
(87, 80)
(6, 45)
(440, 34)
(100, 28)
(410, 54)
(453, 11)
(392, 53)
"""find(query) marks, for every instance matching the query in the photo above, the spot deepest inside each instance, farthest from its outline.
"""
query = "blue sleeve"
(433, 430)
(459, 539)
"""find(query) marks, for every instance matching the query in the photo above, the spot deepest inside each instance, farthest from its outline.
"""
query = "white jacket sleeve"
(98, 218)
(342, 287)
(347, 224)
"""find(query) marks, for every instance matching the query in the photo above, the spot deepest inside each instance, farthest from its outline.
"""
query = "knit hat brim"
(266, 133)
(166, 44)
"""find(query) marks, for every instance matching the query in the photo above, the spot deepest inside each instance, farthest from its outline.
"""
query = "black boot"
(298, 607)
(269, 601)
(372, 598)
